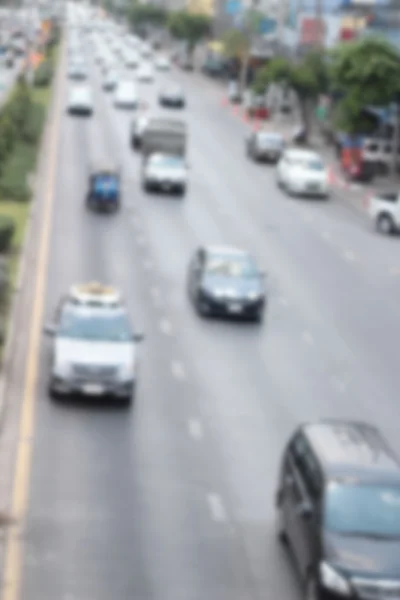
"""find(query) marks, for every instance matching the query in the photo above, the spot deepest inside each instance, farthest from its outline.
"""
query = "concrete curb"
(24, 255)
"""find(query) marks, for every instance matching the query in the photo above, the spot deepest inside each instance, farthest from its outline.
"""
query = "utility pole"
(396, 135)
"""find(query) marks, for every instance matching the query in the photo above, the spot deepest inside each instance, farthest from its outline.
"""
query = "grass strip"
(16, 189)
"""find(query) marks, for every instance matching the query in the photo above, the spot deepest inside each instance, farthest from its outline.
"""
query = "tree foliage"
(308, 78)
(364, 72)
(147, 14)
(190, 27)
(236, 44)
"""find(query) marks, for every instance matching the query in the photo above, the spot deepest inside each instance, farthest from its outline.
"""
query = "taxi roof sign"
(95, 294)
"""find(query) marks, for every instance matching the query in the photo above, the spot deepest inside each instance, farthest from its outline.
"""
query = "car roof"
(352, 449)
(94, 294)
(230, 251)
(300, 154)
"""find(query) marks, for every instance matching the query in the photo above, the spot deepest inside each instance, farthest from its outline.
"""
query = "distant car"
(146, 51)
(110, 81)
(185, 62)
(138, 126)
(265, 145)
(225, 281)
(145, 73)
(94, 350)
(303, 172)
(172, 96)
(126, 95)
(80, 101)
(162, 172)
(132, 60)
(78, 71)
(338, 510)
(162, 63)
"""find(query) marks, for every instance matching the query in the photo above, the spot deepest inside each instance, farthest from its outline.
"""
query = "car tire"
(200, 308)
(146, 187)
(258, 316)
(385, 224)
(53, 395)
(311, 588)
(281, 533)
(181, 191)
(135, 143)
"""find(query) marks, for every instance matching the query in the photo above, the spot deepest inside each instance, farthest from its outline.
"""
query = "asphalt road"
(174, 499)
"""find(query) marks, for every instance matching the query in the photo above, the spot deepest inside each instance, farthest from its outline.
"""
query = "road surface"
(175, 499)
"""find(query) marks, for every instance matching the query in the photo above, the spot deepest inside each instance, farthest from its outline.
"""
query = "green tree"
(307, 78)
(190, 27)
(146, 14)
(364, 72)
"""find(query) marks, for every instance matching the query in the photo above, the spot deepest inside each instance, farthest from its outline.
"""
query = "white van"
(126, 95)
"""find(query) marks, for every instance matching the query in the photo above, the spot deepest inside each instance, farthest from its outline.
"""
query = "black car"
(227, 282)
(265, 145)
(173, 97)
(338, 503)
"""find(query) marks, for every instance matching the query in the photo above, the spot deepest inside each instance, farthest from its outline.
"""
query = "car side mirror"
(50, 330)
(304, 510)
(138, 337)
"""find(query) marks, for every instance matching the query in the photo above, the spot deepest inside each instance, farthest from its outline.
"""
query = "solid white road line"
(307, 337)
(177, 370)
(217, 509)
(165, 327)
(195, 429)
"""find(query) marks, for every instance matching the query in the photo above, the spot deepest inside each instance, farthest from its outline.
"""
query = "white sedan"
(145, 73)
(126, 95)
(165, 173)
(80, 100)
(162, 63)
(303, 172)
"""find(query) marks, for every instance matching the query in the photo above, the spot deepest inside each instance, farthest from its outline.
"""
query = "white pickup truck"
(384, 209)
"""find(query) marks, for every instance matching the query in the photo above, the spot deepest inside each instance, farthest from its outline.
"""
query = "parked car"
(303, 172)
(265, 145)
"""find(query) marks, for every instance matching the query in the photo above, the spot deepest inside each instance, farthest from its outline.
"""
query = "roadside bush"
(33, 125)
(43, 74)
(14, 178)
(7, 229)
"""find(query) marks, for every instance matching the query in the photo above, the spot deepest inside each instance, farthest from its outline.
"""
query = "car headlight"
(254, 295)
(62, 370)
(332, 580)
(127, 372)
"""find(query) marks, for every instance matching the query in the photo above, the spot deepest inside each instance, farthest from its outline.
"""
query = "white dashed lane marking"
(327, 236)
(217, 509)
(177, 370)
(195, 429)
(308, 338)
(165, 327)
(339, 384)
(349, 256)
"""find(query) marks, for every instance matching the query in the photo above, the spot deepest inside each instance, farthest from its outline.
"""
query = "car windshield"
(107, 326)
(271, 140)
(228, 266)
(365, 510)
(310, 165)
(172, 162)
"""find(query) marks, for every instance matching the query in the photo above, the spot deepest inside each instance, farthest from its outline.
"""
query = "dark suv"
(338, 505)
